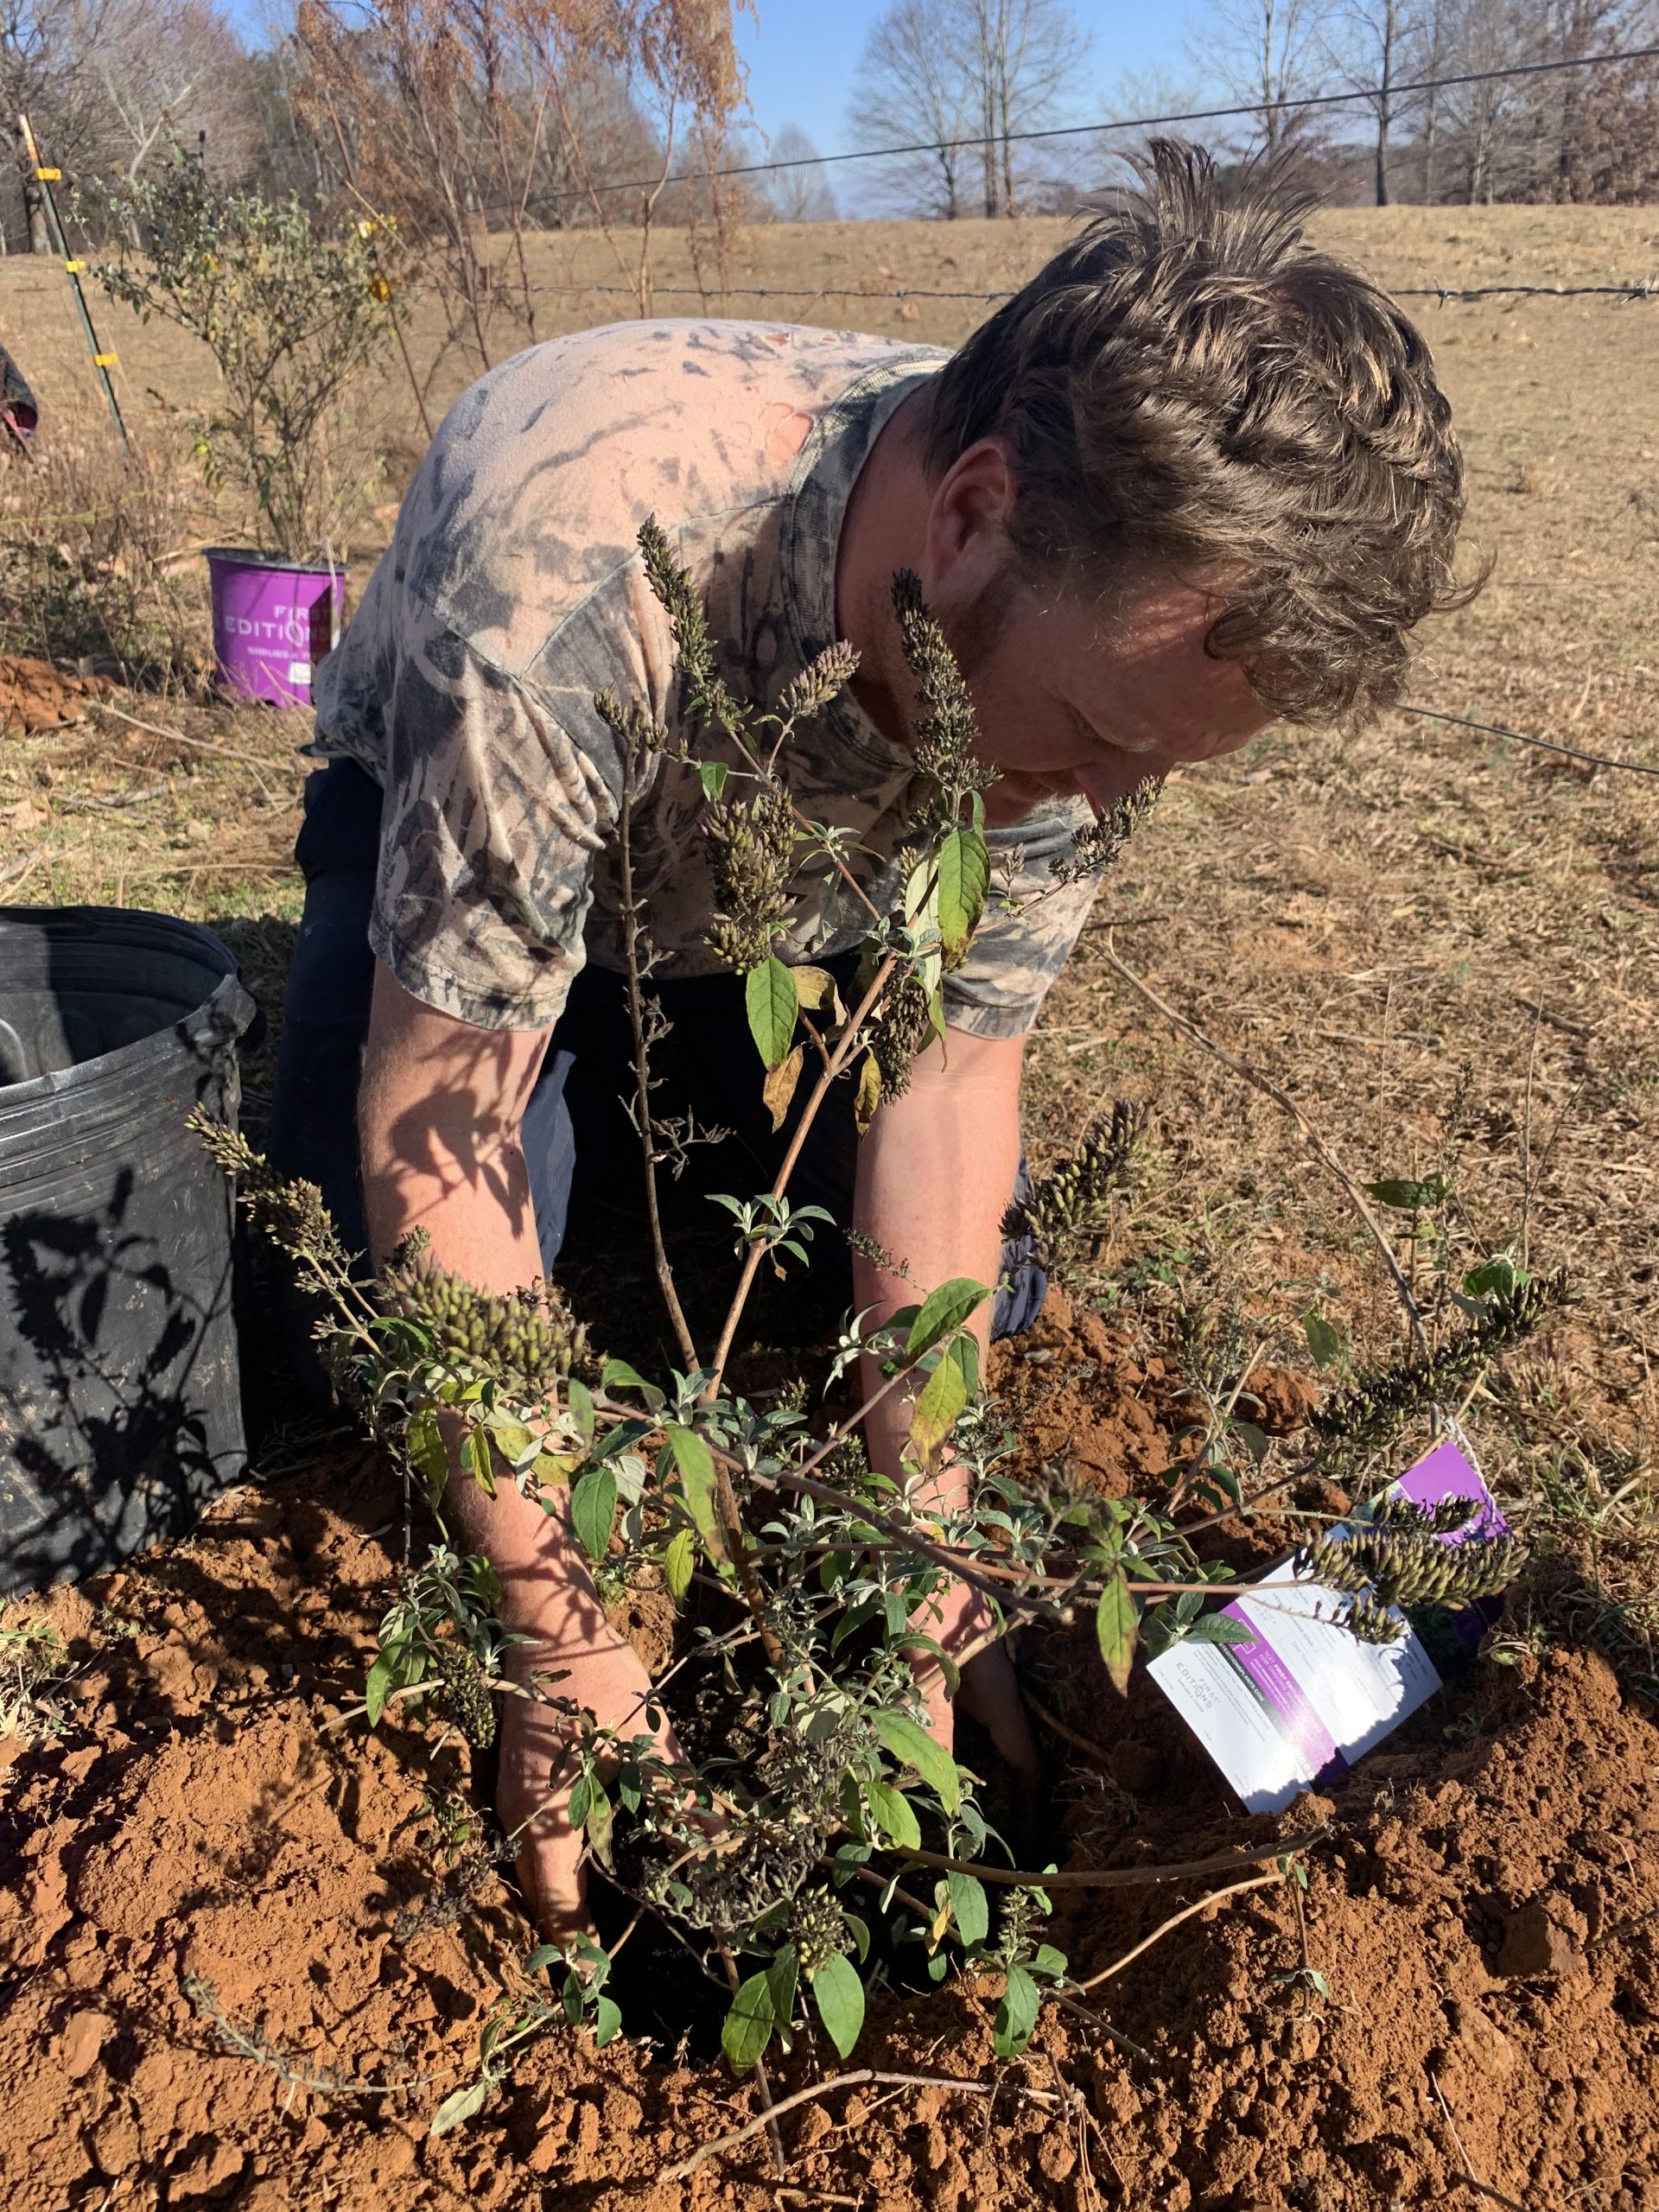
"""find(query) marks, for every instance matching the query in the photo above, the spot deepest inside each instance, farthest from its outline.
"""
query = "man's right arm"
(440, 1113)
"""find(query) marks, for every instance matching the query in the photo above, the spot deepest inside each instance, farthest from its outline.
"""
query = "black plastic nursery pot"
(120, 1404)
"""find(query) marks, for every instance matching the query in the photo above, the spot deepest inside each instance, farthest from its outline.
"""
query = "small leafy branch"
(292, 312)
(783, 1853)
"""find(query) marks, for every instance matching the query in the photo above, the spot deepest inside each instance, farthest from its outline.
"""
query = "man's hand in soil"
(441, 1107)
(549, 1597)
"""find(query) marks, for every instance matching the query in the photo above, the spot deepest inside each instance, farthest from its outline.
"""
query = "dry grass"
(1441, 945)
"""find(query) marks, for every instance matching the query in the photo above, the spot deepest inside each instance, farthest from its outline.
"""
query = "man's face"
(1079, 698)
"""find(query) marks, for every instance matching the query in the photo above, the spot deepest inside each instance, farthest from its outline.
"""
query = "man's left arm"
(935, 1175)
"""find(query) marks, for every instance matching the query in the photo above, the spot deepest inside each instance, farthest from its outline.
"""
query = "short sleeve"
(1016, 953)
(492, 821)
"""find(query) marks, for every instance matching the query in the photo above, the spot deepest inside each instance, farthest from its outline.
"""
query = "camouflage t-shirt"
(514, 590)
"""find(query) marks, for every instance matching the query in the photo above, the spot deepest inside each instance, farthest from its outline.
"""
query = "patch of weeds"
(34, 1674)
(1592, 1527)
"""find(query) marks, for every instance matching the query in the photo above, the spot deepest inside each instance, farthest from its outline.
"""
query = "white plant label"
(1299, 1702)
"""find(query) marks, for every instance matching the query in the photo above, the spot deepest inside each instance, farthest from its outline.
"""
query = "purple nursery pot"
(273, 621)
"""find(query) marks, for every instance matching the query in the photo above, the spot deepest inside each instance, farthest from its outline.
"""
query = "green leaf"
(712, 775)
(1409, 1196)
(781, 1977)
(911, 1745)
(581, 1797)
(893, 1814)
(942, 1397)
(944, 1312)
(460, 2105)
(1016, 2016)
(678, 1561)
(619, 1375)
(769, 993)
(839, 1995)
(969, 1908)
(1217, 1628)
(376, 1690)
(698, 1479)
(580, 1399)
(1117, 1625)
(1499, 1274)
(608, 2019)
(593, 1509)
(428, 1453)
(1324, 1341)
(1048, 1961)
(965, 878)
(747, 2028)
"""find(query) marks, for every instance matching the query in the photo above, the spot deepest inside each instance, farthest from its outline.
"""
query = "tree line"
(974, 77)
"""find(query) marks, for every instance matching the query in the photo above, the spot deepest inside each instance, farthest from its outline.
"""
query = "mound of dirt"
(36, 695)
(239, 1969)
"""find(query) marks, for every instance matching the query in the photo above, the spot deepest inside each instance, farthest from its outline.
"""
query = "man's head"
(1194, 476)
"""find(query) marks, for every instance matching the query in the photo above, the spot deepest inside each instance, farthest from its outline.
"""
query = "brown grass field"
(1441, 945)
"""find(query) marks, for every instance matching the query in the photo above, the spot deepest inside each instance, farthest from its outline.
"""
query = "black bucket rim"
(228, 1009)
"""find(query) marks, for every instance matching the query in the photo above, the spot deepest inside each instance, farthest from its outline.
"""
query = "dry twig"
(860, 2077)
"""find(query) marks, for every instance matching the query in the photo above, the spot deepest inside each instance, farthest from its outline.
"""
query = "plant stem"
(861, 2077)
(833, 1067)
(1109, 1877)
(631, 932)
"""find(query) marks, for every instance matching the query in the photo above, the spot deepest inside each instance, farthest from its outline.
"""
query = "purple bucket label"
(273, 621)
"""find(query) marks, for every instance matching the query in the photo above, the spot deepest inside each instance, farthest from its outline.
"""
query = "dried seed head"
(1368, 1622)
(676, 595)
(1094, 850)
(1074, 1202)
(820, 682)
(819, 1926)
(1376, 1408)
(751, 851)
(291, 1215)
(899, 1031)
(948, 734)
(528, 1339)
(467, 1694)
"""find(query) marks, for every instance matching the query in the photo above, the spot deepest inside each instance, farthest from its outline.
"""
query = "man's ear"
(967, 541)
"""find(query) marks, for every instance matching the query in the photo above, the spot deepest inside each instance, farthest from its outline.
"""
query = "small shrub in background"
(293, 312)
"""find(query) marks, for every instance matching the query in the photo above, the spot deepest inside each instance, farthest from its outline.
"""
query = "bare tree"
(1268, 53)
(798, 194)
(104, 82)
(1493, 120)
(913, 86)
(982, 71)
(1366, 43)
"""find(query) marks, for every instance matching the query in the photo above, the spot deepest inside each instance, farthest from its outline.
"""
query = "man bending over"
(1193, 477)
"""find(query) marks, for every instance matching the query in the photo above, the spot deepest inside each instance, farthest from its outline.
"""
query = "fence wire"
(1644, 288)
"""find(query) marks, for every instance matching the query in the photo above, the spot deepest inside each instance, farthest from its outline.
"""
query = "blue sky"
(802, 55)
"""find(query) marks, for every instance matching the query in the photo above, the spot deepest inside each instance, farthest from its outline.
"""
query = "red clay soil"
(35, 696)
(219, 1988)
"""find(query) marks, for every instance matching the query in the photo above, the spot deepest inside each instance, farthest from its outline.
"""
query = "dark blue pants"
(707, 1065)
